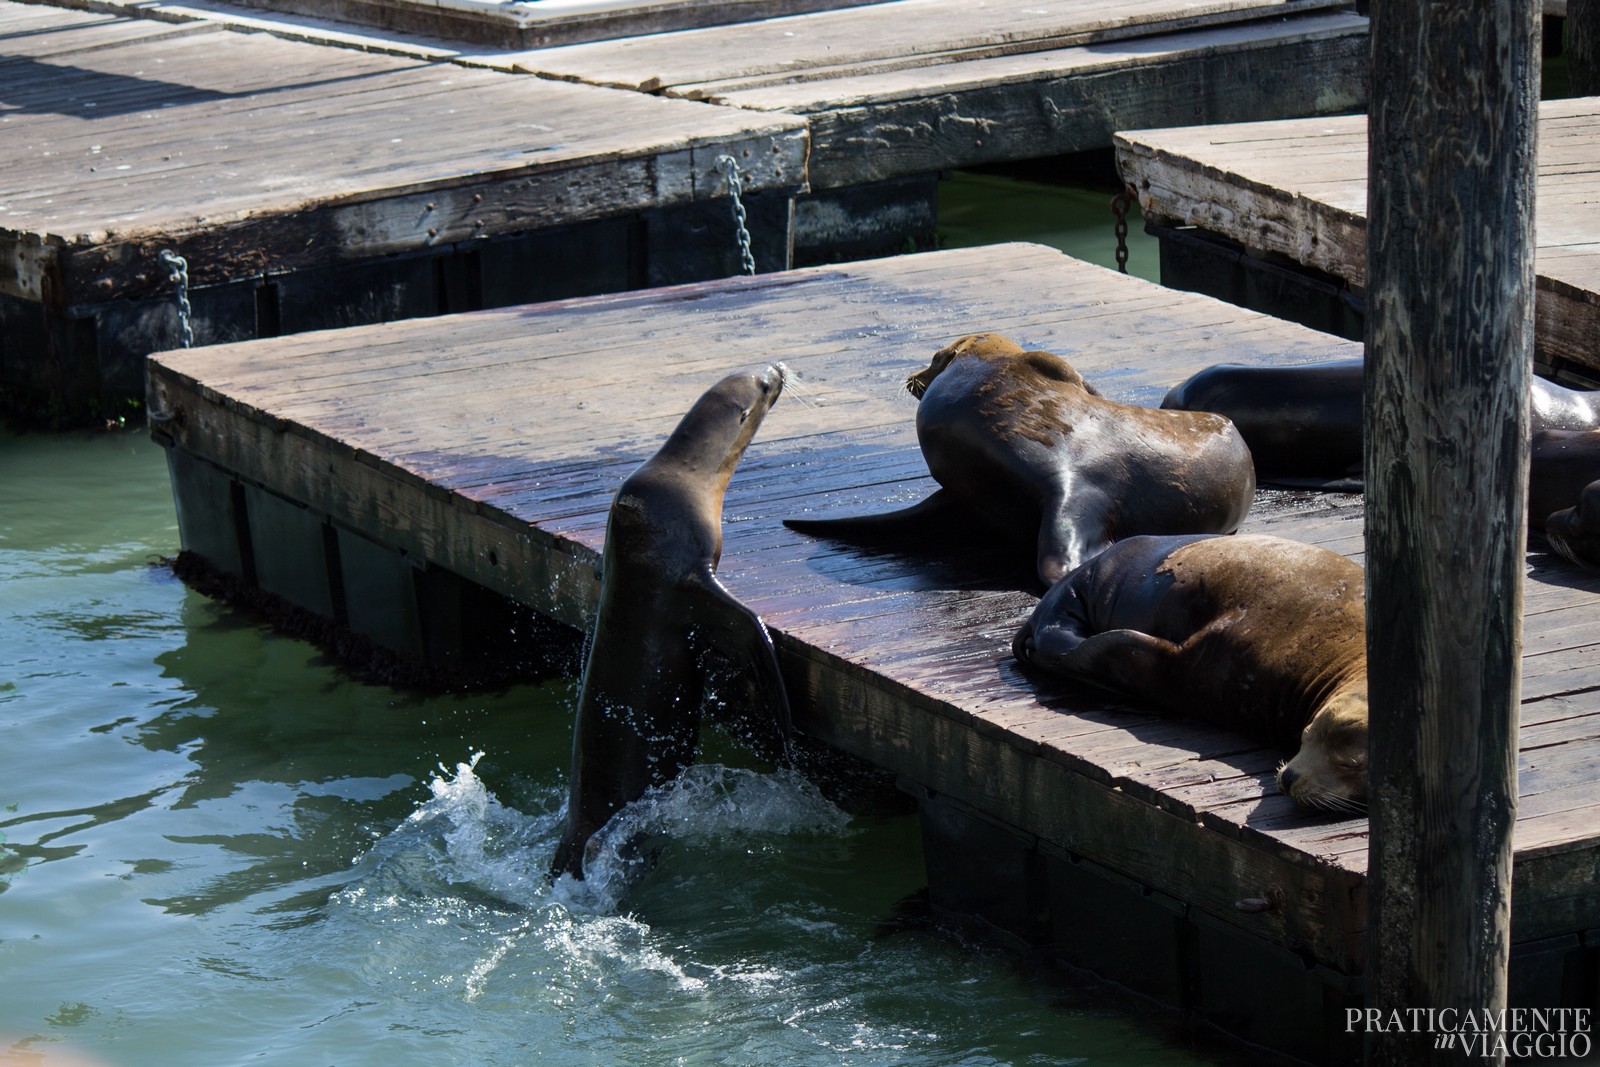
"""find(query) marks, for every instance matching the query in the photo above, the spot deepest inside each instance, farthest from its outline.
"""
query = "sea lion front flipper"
(1070, 533)
(886, 527)
(728, 628)
(1574, 533)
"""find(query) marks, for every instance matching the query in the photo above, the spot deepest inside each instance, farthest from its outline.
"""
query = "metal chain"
(730, 169)
(1119, 207)
(180, 279)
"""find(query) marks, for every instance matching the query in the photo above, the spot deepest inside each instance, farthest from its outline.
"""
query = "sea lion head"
(714, 433)
(1330, 770)
(1049, 370)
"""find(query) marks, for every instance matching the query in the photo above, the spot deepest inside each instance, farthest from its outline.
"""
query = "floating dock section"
(313, 175)
(308, 186)
(359, 472)
(541, 23)
(1294, 192)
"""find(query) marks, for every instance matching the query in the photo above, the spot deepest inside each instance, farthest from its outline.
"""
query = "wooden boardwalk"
(915, 86)
(490, 444)
(541, 23)
(254, 157)
(1298, 188)
(912, 87)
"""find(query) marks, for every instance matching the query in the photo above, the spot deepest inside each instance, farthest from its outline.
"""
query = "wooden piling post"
(1450, 344)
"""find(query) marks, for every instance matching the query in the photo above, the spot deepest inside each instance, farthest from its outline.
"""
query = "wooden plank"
(890, 36)
(1298, 188)
(902, 89)
(198, 143)
(490, 444)
(546, 22)
(870, 127)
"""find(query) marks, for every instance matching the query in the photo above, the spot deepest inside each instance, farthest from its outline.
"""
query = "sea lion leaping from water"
(1020, 440)
(661, 611)
(1262, 635)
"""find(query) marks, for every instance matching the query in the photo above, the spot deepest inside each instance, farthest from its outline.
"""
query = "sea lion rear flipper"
(886, 527)
(1129, 661)
(731, 630)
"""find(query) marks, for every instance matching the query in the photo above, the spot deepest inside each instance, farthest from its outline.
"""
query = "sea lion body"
(1262, 635)
(1304, 422)
(661, 611)
(1564, 492)
(1574, 532)
(1019, 439)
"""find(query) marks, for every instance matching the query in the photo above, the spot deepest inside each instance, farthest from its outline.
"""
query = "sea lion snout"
(1330, 769)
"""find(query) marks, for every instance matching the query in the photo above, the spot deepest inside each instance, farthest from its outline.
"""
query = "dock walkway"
(1154, 850)
(1298, 189)
(911, 87)
(312, 186)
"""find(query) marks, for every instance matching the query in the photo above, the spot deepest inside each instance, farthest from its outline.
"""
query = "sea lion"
(1575, 532)
(1259, 634)
(1022, 441)
(661, 610)
(1304, 423)
(1564, 492)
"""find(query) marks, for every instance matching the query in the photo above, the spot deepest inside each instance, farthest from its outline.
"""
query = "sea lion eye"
(745, 414)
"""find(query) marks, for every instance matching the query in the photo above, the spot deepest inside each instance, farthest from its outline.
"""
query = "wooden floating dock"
(1296, 190)
(396, 175)
(911, 87)
(542, 23)
(358, 472)
(309, 186)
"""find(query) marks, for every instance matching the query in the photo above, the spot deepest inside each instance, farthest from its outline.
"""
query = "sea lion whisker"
(795, 386)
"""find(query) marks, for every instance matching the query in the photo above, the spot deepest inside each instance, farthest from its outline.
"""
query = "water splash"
(706, 803)
(463, 842)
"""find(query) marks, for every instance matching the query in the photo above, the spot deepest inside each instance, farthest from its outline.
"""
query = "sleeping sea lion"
(1019, 439)
(1303, 423)
(661, 610)
(1564, 492)
(1263, 635)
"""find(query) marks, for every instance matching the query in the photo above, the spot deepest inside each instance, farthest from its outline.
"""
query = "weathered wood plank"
(196, 141)
(547, 22)
(888, 36)
(920, 93)
(491, 443)
(1299, 187)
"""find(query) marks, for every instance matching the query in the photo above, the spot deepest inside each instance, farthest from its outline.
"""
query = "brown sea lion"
(661, 611)
(1303, 423)
(1019, 439)
(1259, 634)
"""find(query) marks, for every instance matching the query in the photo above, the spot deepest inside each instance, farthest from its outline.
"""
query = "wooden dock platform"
(914, 86)
(1297, 190)
(893, 93)
(542, 23)
(347, 471)
(309, 186)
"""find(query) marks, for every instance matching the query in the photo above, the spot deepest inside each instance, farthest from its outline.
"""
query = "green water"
(217, 848)
(980, 209)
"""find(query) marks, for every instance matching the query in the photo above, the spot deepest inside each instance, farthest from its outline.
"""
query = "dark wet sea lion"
(1021, 440)
(1561, 463)
(1564, 492)
(1304, 423)
(1262, 635)
(1575, 532)
(661, 611)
